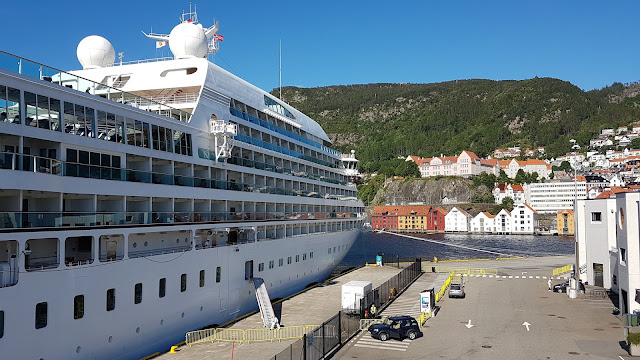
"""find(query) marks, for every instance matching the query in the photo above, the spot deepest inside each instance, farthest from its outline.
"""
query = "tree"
(551, 175)
(503, 178)
(521, 177)
(564, 166)
(635, 143)
(507, 203)
(408, 169)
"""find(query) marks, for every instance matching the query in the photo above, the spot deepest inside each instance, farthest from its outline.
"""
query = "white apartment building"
(554, 195)
(595, 233)
(530, 166)
(466, 164)
(628, 247)
(524, 219)
(457, 220)
(482, 223)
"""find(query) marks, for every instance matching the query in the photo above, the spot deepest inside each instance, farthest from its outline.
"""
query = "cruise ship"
(139, 200)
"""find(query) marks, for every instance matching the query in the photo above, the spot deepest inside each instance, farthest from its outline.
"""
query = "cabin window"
(297, 258)
(261, 267)
(183, 282)
(280, 262)
(304, 256)
(78, 307)
(41, 315)
(162, 288)
(218, 274)
(201, 278)
(271, 264)
(137, 293)
(1, 324)
(289, 260)
(311, 255)
(111, 299)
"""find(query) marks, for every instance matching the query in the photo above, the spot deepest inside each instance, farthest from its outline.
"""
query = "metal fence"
(336, 331)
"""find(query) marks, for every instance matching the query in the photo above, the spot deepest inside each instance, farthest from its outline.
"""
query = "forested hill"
(383, 121)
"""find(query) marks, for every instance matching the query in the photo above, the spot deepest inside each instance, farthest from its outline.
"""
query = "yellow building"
(413, 217)
(565, 222)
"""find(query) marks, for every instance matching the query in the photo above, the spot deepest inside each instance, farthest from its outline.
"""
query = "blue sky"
(589, 43)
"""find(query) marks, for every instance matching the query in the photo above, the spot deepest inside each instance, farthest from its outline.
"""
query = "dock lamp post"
(573, 282)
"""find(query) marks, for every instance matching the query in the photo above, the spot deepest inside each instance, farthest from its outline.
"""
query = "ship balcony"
(27, 220)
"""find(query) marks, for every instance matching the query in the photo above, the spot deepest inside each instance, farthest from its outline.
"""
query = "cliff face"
(430, 191)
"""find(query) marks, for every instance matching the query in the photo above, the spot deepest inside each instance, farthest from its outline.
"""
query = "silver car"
(456, 290)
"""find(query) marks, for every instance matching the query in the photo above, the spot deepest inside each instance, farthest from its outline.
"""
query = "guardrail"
(444, 287)
(464, 271)
(562, 270)
(247, 335)
(365, 323)
(424, 316)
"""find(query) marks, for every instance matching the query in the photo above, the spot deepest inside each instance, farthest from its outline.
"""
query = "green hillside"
(383, 121)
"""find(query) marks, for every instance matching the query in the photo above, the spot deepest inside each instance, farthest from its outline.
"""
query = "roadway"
(496, 308)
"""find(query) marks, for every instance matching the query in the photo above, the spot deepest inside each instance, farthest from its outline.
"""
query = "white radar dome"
(187, 40)
(95, 52)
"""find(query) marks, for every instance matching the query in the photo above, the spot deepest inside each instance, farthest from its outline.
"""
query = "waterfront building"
(502, 222)
(466, 164)
(482, 223)
(565, 222)
(413, 218)
(555, 195)
(524, 219)
(595, 234)
(436, 219)
(385, 218)
(457, 220)
(501, 191)
(628, 251)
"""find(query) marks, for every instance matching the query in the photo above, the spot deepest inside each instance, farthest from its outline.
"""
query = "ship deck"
(311, 307)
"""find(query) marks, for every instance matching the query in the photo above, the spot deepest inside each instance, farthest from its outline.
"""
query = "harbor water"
(467, 246)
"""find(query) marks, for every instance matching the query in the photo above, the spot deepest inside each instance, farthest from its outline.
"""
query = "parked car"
(456, 290)
(562, 287)
(397, 327)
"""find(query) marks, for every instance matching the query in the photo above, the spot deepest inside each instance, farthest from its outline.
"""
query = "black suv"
(398, 327)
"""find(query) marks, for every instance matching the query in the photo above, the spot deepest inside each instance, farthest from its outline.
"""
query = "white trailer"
(352, 292)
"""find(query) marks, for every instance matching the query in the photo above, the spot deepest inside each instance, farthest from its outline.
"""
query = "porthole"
(201, 308)
(621, 218)
(146, 243)
(110, 339)
(78, 350)
(186, 240)
(162, 322)
(182, 315)
(135, 245)
(177, 241)
(138, 330)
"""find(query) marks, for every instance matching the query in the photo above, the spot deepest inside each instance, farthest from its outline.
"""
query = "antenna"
(120, 56)
(280, 68)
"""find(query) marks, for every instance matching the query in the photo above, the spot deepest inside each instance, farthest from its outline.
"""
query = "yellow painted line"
(150, 356)
(510, 258)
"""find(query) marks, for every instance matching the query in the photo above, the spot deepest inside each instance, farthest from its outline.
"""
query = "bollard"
(173, 349)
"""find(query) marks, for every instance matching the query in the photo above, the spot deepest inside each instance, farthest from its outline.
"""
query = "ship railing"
(33, 163)
(281, 170)
(41, 263)
(153, 252)
(142, 61)
(68, 80)
(55, 219)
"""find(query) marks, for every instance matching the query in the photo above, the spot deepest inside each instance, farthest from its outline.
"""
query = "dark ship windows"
(137, 293)
(162, 288)
(41, 315)
(218, 274)
(183, 282)
(78, 307)
(1, 324)
(111, 299)
(201, 278)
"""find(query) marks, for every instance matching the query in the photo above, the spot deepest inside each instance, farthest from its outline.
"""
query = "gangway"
(264, 303)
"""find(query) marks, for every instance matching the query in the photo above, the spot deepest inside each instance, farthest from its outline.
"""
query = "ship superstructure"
(139, 200)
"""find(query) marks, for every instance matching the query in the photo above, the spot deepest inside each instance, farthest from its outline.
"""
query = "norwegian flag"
(218, 37)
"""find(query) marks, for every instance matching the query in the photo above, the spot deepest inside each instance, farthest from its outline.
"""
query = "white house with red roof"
(482, 223)
(466, 164)
(501, 191)
(457, 220)
(502, 222)
(524, 219)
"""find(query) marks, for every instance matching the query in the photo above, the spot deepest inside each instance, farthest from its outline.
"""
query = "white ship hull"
(135, 330)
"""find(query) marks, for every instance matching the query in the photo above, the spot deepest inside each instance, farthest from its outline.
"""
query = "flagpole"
(281, 69)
